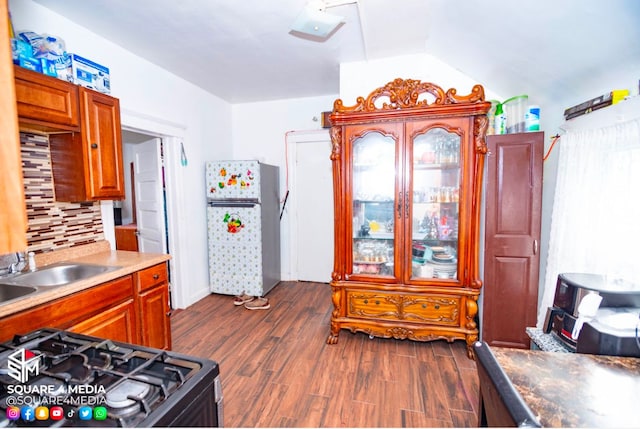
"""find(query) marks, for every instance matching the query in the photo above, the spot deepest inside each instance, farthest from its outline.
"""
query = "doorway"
(143, 127)
(312, 202)
(146, 202)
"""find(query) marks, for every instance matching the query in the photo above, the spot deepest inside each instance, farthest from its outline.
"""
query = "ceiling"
(241, 50)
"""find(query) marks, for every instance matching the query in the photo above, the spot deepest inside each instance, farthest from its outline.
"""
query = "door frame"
(292, 138)
(172, 135)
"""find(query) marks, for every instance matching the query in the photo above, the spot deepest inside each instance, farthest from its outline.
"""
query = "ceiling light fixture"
(314, 23)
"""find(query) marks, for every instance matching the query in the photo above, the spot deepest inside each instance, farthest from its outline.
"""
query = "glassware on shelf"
(371, 256)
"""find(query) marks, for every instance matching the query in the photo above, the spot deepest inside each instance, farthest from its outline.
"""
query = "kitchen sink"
(11, 292)
(57, 275)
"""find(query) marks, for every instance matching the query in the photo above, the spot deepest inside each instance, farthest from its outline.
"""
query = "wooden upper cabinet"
(407, 174)
(102, 145)
(13, 218)
(45, 103)
(87, 160)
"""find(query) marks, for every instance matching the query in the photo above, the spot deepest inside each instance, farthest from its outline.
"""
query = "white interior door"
(314, 208)
(150, 218)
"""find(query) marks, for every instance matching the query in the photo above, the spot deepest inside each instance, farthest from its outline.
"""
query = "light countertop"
(95, 253)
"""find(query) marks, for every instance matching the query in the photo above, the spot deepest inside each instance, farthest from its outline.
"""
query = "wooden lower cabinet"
(116, 323)
(442, 310)
(152, 294)
(407, 315)
(127, 237)
(132, 309)
(72, 311)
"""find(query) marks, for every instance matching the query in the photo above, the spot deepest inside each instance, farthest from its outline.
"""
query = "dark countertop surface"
(575, 390)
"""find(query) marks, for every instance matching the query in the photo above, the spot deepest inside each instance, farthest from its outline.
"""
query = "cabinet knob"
(94, 145)
(168, 313)
(156, 276)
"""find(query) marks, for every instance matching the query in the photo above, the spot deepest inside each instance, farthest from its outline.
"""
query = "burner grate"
(139, 386)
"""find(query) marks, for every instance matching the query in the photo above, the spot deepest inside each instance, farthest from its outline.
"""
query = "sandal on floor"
(242, 299)
(258, 304)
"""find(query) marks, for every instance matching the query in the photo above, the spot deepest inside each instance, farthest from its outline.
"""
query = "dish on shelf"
(418, 250)
(444, 275)
(442, 266)
(442, 257)
(437, 249)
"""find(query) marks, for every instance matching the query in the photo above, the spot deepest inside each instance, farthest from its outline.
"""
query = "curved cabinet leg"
(471, 340)
(333, 336)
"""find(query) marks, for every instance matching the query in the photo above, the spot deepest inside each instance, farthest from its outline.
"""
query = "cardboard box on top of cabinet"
(89, 74)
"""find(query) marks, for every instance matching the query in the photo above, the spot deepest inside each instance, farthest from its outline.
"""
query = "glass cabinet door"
(374, 177)
(436, 178)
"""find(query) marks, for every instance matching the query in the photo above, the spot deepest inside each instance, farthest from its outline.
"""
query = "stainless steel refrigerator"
(243, 227)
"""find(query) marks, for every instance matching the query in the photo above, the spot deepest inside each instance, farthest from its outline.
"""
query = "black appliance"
(130, 385)
(620, 301)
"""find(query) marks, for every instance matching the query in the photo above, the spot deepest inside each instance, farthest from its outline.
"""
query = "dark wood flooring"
(277, 370)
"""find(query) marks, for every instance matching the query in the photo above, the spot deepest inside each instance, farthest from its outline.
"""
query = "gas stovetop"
(58, 378)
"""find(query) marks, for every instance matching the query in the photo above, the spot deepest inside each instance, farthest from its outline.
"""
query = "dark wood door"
(512, 238)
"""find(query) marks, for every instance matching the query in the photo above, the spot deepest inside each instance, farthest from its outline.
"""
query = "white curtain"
(595, 223)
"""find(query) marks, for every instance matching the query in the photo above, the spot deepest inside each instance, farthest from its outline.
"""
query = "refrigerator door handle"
(229, 204)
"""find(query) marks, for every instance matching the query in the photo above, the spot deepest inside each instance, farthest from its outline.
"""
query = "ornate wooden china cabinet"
(407, 173)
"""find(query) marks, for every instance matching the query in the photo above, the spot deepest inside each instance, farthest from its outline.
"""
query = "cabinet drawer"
(150, 277)
(435, 309)
(46, 99)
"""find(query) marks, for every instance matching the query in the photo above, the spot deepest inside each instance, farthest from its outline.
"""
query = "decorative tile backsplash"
(53, 225)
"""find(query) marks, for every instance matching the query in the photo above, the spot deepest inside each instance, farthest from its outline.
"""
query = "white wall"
(150, 92)
(259, 132)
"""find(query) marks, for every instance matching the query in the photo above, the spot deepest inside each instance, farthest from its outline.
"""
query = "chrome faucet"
(19, 265)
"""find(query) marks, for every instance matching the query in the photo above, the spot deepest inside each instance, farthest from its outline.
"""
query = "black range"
(125, 385)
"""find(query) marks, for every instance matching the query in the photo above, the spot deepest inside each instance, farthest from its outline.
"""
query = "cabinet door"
(154, 318)
(116, 323)
(435, 184)
(374, 207)
(512, 237)
(13, 216)
(44, 102)
(102, 140)
(127, 237)
(153, 306)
